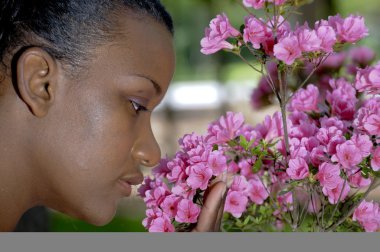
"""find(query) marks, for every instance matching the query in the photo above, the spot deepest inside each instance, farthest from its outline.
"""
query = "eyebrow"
(154, 83)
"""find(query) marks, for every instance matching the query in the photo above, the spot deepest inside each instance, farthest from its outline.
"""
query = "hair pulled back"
(67, 29)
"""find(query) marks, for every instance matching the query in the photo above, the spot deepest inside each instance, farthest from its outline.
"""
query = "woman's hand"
(212, 211)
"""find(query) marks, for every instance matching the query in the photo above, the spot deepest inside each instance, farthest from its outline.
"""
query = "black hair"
(67, 29)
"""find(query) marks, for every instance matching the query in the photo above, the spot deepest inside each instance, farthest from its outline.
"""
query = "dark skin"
(66, 143)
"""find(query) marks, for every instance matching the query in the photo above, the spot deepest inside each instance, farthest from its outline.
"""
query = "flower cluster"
(276, 38)
(331, 153)
(315, 160)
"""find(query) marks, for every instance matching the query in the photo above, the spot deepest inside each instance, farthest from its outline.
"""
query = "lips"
(127, 182)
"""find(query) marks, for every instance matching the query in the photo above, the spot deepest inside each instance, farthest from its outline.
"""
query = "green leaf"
(243, 142)
(215, 147)
(257, 166)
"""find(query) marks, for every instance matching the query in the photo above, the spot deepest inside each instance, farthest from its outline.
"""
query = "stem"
(351, 211)
(247, 62)
(283, 114)
(337, 203)
(271, 83)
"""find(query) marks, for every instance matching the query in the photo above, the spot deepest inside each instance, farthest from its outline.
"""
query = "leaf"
(215, 147)
(257, 166)
(243, 142)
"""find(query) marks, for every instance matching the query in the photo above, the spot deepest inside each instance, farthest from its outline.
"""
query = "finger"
(210, 209)
(219, 218)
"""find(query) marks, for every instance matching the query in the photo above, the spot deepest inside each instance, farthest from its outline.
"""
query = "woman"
(79, 80)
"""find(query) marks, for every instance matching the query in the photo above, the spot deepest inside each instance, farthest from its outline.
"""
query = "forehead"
(140, 46)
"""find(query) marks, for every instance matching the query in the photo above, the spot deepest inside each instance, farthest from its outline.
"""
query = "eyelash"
(137, 107)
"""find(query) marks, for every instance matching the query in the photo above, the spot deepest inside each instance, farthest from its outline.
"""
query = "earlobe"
(36, 80)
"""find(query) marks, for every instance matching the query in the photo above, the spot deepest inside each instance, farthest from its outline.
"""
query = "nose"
(146, 150)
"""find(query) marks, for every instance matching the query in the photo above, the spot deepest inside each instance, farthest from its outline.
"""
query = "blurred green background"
(190, 19)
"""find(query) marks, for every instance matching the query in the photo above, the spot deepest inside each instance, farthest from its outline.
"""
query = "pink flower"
(187, 211)
(298, 169)
(327, 36)
(350, 29)
(184, 191)
(162, 169)
(240, 184)
(375, 160)
(287, 50)
(372, 125)
(190, 141)
(257, 193)
(225, 129)
(217, 162)
(256, 4)
(151, 214)
(368, 216)
(155, 196)
(317, 156)
(307, 39)
(362, 55)
(161, 224)
(256, 32)
(305, 100)
(199, 176)
(245, 166)
(363, 143)
(236, 203)
(370, 107)
(368, 80)
(348, 155)
(215, 36)
(357, 180)
(271, 128)
(329, 175)
(177, 167)
(337, 194)
(169, 205)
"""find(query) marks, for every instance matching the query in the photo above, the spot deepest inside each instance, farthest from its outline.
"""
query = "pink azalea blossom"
(155, 196)
(161, 224)
(363, 143)
(184, 190)
(177, 167)
(169, 205)
(256, 4)
(368, 216)
(368, 80)
(151, 214)
(215, 36)
(348, 155)
(362, 55)
(375, 160)
(190, 141)
(298, 169)
(307, 39)
(187, 211)
(305, 100)
(246, 167)
(350, 29)
(327, 36)
(240, 184)
(287, 50)
(337, 194)
(317, 156)
(256, 32)
(372, 125)
(329, 175)
(358, 181)
(217, 162)
(370, 107)
(199, 176)
(225, 129)
(236, 203)
(257, 193)
(271, 128)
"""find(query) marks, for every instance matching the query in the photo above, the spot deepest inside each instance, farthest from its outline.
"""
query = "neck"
(16, 192)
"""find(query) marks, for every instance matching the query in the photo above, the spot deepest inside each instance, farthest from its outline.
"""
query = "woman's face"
(97, 132)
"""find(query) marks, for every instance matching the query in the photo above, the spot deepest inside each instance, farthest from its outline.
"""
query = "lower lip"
(125, 187)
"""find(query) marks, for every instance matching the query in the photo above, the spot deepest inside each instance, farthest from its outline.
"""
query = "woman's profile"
(78, 82)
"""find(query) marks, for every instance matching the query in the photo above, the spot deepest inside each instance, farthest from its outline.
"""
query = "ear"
(37, 79)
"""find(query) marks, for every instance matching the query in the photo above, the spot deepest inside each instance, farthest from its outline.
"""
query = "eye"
(137, 107)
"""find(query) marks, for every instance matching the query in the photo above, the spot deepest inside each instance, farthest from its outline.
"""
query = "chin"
(98, 215)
